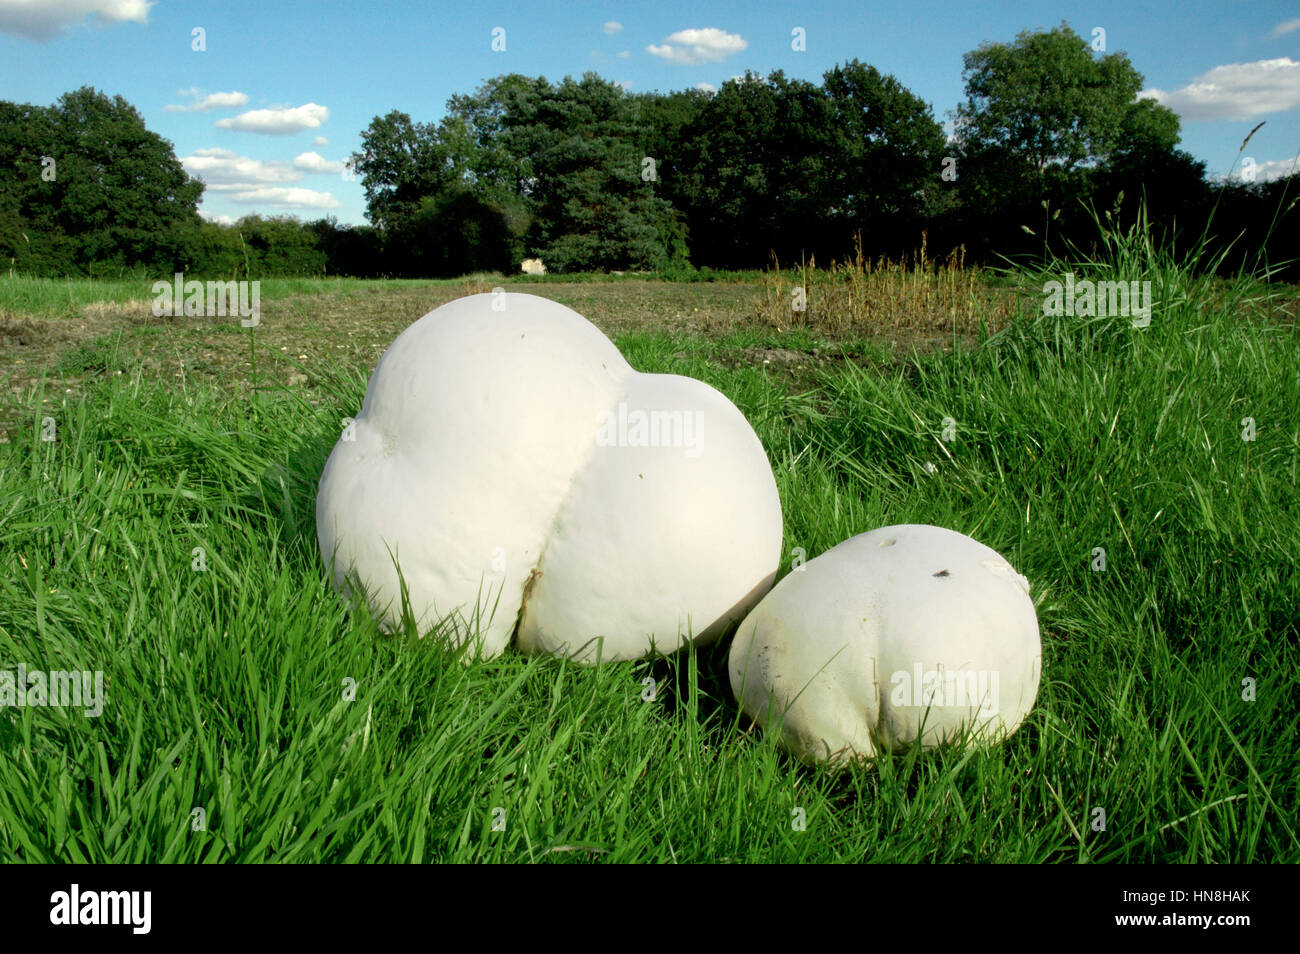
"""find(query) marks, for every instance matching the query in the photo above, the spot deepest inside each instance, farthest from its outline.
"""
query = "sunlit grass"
(166, 537)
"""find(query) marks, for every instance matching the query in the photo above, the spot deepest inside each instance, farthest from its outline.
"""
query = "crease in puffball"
(537, 489)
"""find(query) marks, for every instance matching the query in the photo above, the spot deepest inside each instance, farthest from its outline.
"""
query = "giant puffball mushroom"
(524, 477)
(906, 633)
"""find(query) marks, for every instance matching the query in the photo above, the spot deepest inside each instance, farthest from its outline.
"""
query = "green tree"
(121, 191)
(1042, 117)
(449, 234)
(752, 170)
(354, 250)
(563, 165)
(29, 238)
(216, 251)
(91, 188)
(440, 198)
(592, 196)
(280, 246)
(1047, 99)
(788, 167)
(498, 148)
(886, 151)
(662, 125)
(400, 163)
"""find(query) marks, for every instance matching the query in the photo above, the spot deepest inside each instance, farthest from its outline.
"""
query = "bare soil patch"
(299, 334)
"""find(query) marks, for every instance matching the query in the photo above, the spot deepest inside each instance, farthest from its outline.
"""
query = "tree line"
(588, 176)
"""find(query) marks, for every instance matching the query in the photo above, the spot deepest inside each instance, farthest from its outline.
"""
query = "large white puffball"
(906, 633)
(523, 476)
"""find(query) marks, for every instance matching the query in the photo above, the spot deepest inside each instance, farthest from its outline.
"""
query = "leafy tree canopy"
(84, 183)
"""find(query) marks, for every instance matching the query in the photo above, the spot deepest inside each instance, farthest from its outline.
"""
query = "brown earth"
(352, 329)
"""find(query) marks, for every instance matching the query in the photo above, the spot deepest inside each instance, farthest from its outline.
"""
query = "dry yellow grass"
(866, 297)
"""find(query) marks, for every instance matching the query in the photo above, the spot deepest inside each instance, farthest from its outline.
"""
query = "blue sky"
(268, 111)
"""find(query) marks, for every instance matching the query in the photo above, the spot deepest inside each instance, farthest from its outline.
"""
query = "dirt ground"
(303, 332)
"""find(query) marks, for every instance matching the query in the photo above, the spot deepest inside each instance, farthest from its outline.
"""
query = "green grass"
(54, 297)
(248, 690)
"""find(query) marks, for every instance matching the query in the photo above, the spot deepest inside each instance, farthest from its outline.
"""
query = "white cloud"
(1285, 27)
(611, 27)
(1235, 91)
(212, 101)
(277, 122)
(284, 197)
(1265, 171)
(707, 87)
(225, 171)
(44, 20)
(314, 162)
(624, 54)
(690, 47)
(1271, 169)
(624, 85)
(220, 218)
(320, 141)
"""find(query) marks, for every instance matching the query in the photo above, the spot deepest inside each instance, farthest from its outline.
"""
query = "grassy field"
(249, 718)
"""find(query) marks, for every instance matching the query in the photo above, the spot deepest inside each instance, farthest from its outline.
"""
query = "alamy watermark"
(639, 428)
(1087, 298)
(940, 688)
(127, 908)
(58, 689)
(213, 299)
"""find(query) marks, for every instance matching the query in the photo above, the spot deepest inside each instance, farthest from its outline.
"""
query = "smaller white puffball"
(906, 633)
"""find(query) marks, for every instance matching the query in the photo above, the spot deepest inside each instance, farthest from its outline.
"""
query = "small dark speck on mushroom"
(641, 476)
(942, 573)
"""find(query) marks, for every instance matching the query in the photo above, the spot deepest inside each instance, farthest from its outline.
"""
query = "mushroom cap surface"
(478, 465)
(906, 633)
